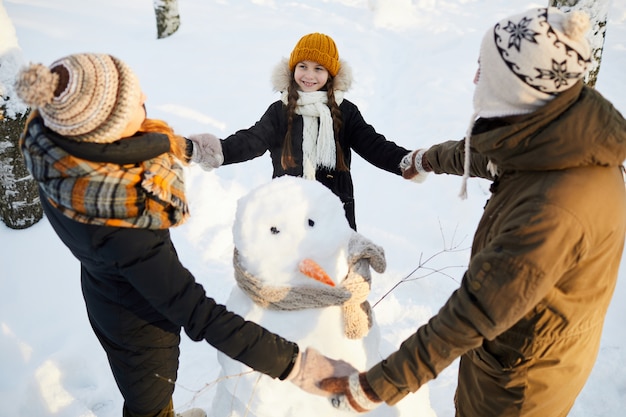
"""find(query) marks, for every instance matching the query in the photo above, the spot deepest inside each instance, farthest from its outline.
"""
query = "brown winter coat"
(527, 318)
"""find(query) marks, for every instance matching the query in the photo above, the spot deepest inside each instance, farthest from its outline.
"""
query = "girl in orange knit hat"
(312, 129)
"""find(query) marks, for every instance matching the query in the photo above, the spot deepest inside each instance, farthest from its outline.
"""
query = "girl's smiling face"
(310, 76)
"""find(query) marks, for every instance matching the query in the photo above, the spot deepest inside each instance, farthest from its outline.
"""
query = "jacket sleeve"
(171, 289)
(503, 283)
(247, 144)
(369, 144)
(448, 158)
(141, 147)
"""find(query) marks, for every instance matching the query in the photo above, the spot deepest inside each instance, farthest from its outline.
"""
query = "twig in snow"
(198, 392)
(422, 265)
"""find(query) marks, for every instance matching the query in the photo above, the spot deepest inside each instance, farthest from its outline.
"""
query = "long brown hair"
(287, 160)
(178, 144)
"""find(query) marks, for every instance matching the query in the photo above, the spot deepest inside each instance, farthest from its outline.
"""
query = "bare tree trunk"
(19, 198)
(598, 11)
(167, 17)
(19, 203)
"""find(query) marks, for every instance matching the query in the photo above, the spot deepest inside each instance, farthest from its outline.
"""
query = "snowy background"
(413, 64)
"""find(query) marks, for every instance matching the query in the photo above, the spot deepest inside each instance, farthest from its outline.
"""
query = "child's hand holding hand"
(207, 151)
(413, 166)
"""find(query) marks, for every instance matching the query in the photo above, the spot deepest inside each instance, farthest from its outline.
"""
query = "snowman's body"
(277, 226)
(245, 393)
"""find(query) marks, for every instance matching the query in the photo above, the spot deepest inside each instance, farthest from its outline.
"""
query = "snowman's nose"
(312, 269)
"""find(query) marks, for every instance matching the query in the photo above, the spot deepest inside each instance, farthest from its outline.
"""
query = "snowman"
(304, 274)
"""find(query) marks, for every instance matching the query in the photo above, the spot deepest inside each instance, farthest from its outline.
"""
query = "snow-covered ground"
(413, 64)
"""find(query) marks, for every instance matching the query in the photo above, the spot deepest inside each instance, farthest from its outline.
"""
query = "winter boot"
(192, 412)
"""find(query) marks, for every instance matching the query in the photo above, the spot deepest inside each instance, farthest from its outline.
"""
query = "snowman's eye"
(311, 223)
(274, 230)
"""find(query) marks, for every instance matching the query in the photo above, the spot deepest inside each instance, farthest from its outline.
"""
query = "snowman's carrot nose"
(312, 269)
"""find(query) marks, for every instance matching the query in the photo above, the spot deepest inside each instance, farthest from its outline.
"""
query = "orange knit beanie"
(319, 48)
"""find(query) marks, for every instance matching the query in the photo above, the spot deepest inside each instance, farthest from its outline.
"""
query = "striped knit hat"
(316, 47)
(84, 97)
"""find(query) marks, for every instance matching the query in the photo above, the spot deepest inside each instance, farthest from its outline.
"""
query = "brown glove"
(311, 367)
(351, 393)
(414, 166)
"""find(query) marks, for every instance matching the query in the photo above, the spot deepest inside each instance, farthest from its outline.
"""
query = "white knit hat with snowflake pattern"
(525, 61)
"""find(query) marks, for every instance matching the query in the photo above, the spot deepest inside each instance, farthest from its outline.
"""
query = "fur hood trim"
(281, 75)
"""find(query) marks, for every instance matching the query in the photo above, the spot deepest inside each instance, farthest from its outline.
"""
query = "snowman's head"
(290, 219)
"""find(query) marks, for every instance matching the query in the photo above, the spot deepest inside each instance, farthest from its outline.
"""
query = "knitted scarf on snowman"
(318, 137)
(351, 293)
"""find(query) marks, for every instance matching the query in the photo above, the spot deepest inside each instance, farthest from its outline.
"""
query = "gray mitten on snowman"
(207, 151)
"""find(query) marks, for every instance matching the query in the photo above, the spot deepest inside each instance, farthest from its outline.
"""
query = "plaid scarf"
(149, 194)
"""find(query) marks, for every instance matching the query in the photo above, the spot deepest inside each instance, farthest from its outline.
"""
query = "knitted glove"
(311, 367)
(207, 151)
(414, 166)
(351, 393)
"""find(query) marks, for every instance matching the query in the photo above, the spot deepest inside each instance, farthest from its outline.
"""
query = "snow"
(413, 64)
(11, 62)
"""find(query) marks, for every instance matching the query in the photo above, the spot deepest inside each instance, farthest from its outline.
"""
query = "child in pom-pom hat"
(111, 185)
(311, 131)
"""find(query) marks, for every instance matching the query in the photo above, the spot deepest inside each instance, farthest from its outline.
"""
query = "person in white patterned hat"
(111, 185)
(527, 319)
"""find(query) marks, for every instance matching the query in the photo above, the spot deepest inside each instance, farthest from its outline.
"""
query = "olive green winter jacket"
(527, 317)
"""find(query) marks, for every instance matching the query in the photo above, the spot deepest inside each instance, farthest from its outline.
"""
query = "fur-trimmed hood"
(281, 76)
